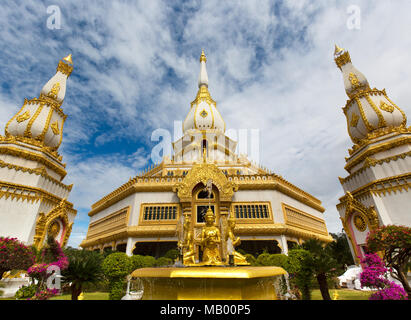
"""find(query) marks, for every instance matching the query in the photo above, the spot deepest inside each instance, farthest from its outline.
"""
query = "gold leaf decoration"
(360, 222)
(203, 113)
(354, 120)
(55, 128)
(54, 91)
(386, 107)
(23, 117)
(354, 80)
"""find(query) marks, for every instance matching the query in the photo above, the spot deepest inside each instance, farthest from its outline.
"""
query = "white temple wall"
(398, 206)
(19, 177)
(149, 197)
(18, 218)
(128, 201)
(276, 198)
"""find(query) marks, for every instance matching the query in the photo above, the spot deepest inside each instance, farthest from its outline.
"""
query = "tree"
(321, 262)
(300, 275)
(116, 267)
(395, 244)
(84, 268)
(14, 255)
(341, 251)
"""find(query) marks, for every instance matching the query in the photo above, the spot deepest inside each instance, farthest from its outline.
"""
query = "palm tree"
(84, 268)
(321, 262)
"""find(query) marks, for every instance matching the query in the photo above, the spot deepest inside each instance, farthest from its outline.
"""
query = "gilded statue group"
(211, 242)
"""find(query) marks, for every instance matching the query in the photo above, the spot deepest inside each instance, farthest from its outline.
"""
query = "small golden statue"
(232, 242)
(189, 254)
(210, 241)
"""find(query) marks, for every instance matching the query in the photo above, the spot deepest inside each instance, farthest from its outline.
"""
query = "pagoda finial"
(203, 56)
(338, 50)
(203, 78)
(68, 59)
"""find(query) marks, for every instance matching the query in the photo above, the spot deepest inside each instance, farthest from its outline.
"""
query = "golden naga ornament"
(23, 117)
(55, 128)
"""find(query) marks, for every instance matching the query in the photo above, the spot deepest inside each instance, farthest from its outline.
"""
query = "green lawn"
(343, 294)
(87, 296)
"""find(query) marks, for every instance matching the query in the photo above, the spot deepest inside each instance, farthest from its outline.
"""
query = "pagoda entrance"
(205, 187)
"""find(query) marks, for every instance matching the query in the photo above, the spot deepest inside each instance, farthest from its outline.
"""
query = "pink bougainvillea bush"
(394, 242)
(51, 255)
(14, 255)
(373, 276)
(45, 294)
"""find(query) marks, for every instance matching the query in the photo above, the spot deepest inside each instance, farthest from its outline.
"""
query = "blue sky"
(270, 67)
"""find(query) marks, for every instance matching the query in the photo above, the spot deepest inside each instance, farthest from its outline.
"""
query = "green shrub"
(26, 292)
(137, 261)
(116, 267)
(172, 254)
(117, 288)
(263, 259)
(278, 260)
(250, 259)
(149, 261)
(163, 261)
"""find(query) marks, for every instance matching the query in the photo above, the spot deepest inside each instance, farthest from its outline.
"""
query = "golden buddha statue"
(189, 254)
(232, 242)
(210, 241)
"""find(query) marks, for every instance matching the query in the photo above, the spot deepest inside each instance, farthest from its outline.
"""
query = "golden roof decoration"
(203, 56)
(68, 59)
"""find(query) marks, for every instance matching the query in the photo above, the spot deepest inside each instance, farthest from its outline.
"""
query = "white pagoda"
(143, 216)
(32, 195)
(378, 186)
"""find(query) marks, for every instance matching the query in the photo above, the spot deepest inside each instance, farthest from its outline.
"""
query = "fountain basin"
(209, 283)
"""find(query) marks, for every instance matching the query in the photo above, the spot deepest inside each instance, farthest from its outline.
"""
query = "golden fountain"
(213, 278)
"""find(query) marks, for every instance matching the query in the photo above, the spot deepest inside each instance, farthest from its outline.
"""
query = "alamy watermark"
(197, 145)
(54, 18)
(354, 18)
(54, 278)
